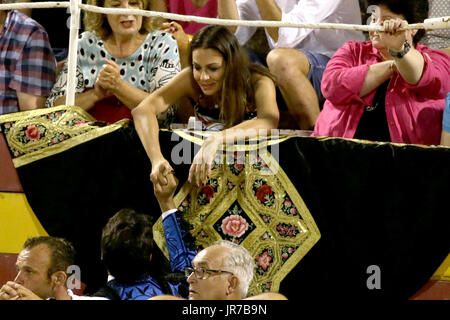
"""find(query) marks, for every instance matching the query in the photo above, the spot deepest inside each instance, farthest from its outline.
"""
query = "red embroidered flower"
(208, 191)
(264, 261)
(33, 133)
(234, 225)
(263, 191)
(238, 166)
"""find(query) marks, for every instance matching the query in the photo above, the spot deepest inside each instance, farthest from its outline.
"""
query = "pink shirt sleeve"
(435, 81)
(344, 77)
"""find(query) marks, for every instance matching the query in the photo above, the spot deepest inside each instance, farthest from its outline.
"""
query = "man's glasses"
(202, 273)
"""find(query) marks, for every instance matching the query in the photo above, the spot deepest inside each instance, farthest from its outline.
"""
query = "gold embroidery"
(236, 190)
(61, 131)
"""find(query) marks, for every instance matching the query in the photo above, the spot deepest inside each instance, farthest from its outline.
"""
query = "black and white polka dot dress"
(151, 66)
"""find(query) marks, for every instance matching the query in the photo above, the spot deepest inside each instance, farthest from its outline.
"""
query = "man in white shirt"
(298, 56)
(41, 275)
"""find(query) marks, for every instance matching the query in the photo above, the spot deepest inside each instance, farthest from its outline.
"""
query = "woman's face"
(208, 68)
(378, 18)
(124, 25)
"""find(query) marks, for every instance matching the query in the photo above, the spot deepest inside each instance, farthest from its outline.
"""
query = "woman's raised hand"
(178, 33)
(394, 39)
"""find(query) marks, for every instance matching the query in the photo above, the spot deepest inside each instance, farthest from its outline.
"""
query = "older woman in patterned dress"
(121, 59)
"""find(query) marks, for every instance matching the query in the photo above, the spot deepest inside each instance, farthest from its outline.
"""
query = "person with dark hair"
(298, 56)
(389, 88)
(135, 270)
(27, 63)
(228, 94)
(42, 271)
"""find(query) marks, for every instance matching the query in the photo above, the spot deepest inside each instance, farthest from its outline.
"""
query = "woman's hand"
(177, 31)
(392, 38)
(200, 169)
(160, 170)
(109, 76)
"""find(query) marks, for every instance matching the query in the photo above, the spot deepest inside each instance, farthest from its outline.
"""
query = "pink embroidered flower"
(234, 225)
(33, 133)
(264, 261)
(287, 203)
(285, 256)
(293, 211)
(291, 250)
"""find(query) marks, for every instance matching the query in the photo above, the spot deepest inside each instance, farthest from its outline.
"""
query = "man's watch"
(402, 53)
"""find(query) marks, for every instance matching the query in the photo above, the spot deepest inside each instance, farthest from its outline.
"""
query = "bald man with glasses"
(222, 271)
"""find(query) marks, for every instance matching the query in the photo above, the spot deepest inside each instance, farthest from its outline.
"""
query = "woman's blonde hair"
(237, 89)
(97, 22)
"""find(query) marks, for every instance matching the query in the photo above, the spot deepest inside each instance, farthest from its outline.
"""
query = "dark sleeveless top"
(373, 123)
(209, 117)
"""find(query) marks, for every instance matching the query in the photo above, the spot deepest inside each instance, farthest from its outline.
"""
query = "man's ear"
(233, 284)
(59, 278)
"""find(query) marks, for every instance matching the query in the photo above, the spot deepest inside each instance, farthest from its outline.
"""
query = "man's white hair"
(239, 261)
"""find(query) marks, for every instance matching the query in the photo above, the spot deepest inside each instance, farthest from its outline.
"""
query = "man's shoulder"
(22, 23)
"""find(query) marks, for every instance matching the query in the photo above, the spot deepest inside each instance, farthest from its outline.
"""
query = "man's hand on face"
(14, 291)
(25, 294)
(7, 292)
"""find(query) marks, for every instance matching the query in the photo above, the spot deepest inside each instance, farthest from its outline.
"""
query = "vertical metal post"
(73, 50)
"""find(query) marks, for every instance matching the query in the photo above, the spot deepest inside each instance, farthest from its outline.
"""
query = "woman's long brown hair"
(237, 89)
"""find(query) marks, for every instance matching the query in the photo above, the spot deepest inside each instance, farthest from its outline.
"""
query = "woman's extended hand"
(160, 170)
(109, 76)
(392, 38)
(200, 169)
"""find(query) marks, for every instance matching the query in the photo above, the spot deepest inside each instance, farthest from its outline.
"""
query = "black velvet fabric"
(374, 204)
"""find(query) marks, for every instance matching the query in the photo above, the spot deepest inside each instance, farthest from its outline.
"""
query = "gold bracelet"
(393, 66)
